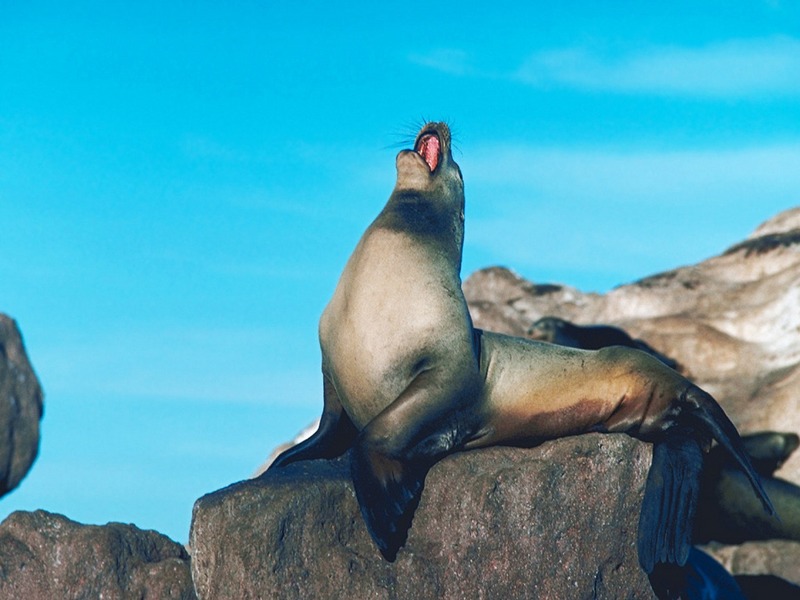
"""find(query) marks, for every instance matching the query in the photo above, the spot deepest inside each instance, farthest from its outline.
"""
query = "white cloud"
(447, 60)
(733, 68)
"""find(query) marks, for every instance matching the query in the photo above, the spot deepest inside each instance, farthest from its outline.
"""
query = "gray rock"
(20, 408)
(45, 556)
(557, 521)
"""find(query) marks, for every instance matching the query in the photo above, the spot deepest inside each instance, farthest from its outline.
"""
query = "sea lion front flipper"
(394, 452)
(332, 438)
(670, 501)
(388, 492)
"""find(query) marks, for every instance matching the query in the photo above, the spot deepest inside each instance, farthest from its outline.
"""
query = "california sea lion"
(727, 513)
(590, 337)
(408, 379)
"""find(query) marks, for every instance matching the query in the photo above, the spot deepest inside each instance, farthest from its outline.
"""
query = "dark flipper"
(332, 438)
(673, 483)
(708, 415)
(396, 449)
(670, 499)
(388, 493)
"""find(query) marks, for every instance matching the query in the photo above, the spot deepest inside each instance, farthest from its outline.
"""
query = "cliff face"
(732, 321)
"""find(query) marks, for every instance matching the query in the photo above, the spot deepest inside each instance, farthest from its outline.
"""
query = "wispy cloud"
(447, 60)
(733, 68)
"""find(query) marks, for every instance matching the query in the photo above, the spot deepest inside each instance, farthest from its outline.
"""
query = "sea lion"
(407, 379)
(726, 512)
(590, 337)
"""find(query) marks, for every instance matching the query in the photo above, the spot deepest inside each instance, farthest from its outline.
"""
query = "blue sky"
(181, 184)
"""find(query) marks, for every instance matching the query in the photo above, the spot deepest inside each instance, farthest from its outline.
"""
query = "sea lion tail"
(716, 422)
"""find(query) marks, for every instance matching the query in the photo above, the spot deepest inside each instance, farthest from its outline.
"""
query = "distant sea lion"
(589, 337)
(726, 512)
(408, 379)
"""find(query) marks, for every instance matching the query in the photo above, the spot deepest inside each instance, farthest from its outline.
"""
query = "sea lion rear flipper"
(706, 413)
(670, 501)
(332, 438)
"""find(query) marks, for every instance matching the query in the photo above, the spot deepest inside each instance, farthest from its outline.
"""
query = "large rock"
(45, 556)
(20, 408)
(732, 321)
(557, 521)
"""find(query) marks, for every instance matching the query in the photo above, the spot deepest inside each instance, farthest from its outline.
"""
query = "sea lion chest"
(397, 310)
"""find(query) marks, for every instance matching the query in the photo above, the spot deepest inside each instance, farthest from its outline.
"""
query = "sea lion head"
(428, 198)
(547, 329)
(430, 167)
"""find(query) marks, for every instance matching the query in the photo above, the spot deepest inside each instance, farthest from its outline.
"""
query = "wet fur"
(408, 379)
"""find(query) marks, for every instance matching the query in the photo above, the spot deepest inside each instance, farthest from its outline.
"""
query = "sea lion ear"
(388, 492)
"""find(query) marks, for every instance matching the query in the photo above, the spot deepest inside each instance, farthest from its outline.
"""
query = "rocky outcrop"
(557, 521)
(45, 556)
(732, 321)
(20, 408)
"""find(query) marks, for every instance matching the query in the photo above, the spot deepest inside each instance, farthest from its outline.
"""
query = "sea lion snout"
(412, 171)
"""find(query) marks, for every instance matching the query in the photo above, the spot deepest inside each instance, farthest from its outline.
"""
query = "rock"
(20, 408)
(45, 556)
(775, 557)
(556, 521)
(731, 321)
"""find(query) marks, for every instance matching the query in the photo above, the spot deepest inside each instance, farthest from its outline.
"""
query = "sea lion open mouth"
(428, 147)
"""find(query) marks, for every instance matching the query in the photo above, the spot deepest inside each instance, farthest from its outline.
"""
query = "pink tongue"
(428, 148)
